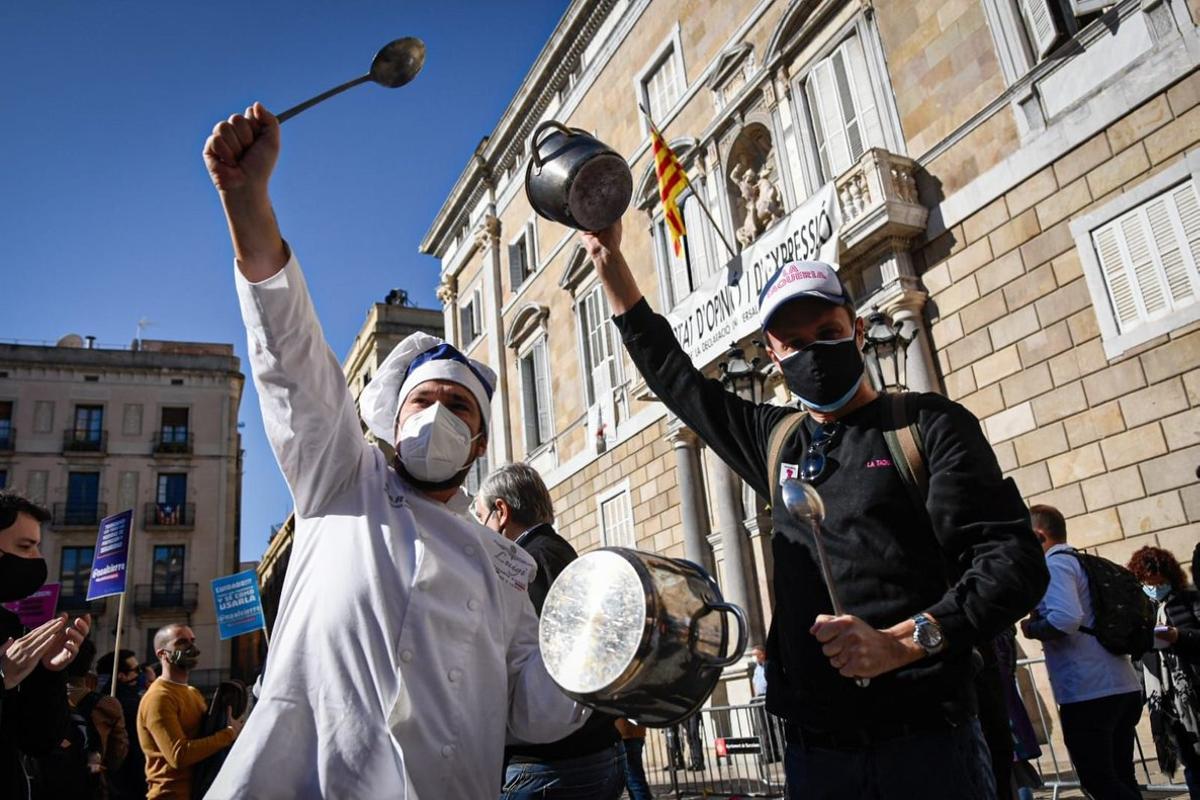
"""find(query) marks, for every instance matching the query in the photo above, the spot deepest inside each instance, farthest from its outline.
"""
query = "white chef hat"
(419, 358)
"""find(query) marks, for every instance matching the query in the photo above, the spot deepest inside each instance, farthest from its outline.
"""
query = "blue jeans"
(598, 776)
(635, 772)
(951, 764)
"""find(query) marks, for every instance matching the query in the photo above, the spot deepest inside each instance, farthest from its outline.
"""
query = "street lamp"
(741, 376)
(886, 351)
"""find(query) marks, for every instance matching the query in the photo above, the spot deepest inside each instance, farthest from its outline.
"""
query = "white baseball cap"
(801, 279)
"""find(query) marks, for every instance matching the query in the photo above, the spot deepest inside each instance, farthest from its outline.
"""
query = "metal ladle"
(394, 65)
(806, 507)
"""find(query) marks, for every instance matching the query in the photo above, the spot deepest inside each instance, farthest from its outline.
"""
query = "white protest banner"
(717, 313)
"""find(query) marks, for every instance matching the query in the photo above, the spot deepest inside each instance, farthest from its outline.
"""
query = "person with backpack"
(1098, 693)
(129, 782)
(94, 741)
(927, 569)
(1171, 671)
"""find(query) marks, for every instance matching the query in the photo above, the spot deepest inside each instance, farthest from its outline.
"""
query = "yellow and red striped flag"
(672, 180)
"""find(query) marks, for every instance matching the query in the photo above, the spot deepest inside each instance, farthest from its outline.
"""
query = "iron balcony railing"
(172, 442)
(82, 440)
(78, 515)
(158, 597)
(174, 516)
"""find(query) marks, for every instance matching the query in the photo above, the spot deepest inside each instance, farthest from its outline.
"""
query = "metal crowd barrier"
(737, 751)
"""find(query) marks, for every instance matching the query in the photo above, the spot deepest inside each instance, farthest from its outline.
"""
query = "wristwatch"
(928, 635)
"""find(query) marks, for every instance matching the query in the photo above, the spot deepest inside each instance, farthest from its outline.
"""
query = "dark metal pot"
(638, 635)
(576, 179)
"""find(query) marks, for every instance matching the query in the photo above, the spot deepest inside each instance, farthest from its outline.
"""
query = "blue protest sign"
(239, 607)
(112, 556)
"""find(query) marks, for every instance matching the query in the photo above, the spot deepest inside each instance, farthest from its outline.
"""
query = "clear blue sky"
(107, 214)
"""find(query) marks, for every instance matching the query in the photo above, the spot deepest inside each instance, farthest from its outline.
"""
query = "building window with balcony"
(662, 82)
(1141, 258)
(535, 397)
(1026, 31)
(698, 258)
(522, 257)
(166, 587)
(470, 318)
(75, 568)
(841, 108)
(170, 504)
(88, 431)
(6, 426)
(83, 499)
(174, 435)
(616, 519)
(602, 374)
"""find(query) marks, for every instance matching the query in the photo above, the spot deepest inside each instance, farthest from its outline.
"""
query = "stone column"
(500, 435)
(447, 292)
(693, 505)
(734, 543)
(903, 300)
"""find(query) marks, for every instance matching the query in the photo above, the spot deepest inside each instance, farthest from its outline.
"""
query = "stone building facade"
(88, 432)
(1016, 192)
(386, 325)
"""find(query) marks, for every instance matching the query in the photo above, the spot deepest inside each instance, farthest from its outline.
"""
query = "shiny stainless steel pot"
(576, 179)
(638, 635)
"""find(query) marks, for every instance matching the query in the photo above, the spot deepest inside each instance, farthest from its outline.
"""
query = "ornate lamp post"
(886, 351)
(741, 376)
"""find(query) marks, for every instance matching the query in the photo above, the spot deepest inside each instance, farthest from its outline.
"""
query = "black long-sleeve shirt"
(32, 717)
(552, 554)
(969, 558)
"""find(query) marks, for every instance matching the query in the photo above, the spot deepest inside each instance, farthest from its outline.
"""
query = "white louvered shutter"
(1149, 257)
(1040, 20)
(541, 372)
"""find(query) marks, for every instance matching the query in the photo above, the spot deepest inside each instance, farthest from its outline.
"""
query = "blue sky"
(107, 214)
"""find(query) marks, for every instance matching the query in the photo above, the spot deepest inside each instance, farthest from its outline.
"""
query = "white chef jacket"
(405, 650)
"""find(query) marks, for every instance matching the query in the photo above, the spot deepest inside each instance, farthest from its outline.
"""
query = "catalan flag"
(672, 180)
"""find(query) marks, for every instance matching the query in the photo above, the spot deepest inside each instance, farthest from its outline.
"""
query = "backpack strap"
(87, 704)
(783, 430)
(903, 439)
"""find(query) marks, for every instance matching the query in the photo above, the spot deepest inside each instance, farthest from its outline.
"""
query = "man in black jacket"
(514, 502)
(33, 697)
(921, 587)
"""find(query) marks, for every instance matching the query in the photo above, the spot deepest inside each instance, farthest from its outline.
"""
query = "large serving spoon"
(803, 502)
(394, 65)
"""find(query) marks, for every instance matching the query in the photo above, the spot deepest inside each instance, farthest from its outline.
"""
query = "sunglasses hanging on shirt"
(815, 462)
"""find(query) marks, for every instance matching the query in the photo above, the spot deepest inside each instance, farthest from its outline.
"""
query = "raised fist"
(242, 150)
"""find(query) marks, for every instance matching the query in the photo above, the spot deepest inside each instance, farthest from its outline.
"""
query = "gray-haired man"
(514, 502)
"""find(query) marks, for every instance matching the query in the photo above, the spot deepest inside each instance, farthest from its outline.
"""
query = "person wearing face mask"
(1171, 671)
(170, 718)
(514, 502)
(1098, 694)
(33, 689)
(920, 589)
(405, 650)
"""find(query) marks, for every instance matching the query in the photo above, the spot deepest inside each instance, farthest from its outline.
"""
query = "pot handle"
(537, 132)
(742, 638)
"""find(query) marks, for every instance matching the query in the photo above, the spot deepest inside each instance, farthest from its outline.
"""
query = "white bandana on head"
(419, 358)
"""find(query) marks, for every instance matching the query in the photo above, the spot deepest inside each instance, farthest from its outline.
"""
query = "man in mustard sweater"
(170, 718)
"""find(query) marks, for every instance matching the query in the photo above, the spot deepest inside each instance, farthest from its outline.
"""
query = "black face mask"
(186, 658)
(824, 375)
(20, 577)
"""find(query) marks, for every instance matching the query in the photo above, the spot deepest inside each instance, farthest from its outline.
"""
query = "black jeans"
(949, 764)
(1099, 736)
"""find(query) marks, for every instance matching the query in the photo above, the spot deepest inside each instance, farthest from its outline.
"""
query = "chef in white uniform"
(405, 650)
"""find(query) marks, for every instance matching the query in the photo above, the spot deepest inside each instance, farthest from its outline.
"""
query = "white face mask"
(434, 444)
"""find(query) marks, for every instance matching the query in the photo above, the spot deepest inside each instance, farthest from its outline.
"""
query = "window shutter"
(854, 138)
(542, 380)
(1081, 7)
(864, 99)
(529, 397)
(466, 324)
(1042, 31)
(677, 274)
(696, 250)
(823, 96)
(585, 344)
(516, 264)
(1150, 256)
